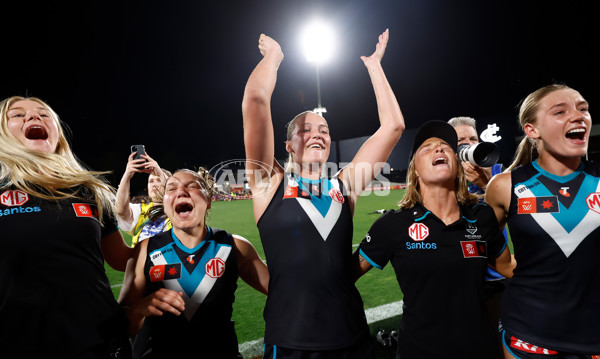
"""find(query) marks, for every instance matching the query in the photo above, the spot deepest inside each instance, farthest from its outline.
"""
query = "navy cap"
(440, 129)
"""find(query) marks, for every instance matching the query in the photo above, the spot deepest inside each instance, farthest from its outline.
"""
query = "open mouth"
(577, 134)
(183, 209)
(36, 133)
(440, 161)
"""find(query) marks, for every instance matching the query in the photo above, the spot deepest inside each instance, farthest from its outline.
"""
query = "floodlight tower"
(318, 43)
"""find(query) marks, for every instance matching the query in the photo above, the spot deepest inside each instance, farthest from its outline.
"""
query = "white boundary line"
(254, 348)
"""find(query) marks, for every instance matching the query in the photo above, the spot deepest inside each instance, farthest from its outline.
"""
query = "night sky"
(171, 74)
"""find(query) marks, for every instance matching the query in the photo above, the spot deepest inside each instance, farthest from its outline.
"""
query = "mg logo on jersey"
(418, 231)
(215, 267)
(593, 202)
(336, 195)
(12, 198)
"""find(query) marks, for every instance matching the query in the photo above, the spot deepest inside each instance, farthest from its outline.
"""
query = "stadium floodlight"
(318, 42)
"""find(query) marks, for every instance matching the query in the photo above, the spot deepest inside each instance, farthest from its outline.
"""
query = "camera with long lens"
(483, 154)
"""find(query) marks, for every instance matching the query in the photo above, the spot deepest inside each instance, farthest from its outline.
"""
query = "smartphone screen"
(139, 150)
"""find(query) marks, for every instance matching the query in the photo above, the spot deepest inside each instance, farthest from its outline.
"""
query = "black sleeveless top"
(207, 276)
(553, 299)
(306, 232)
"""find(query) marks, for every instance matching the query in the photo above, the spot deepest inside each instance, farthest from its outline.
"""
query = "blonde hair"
(290, 127)
(412, 195)
(48, 175)
(527, 150)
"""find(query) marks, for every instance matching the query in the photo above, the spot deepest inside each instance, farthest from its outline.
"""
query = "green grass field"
(377, 287)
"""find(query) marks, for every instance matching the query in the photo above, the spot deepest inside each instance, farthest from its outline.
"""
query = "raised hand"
(151, 166)
(267, 45)
(379, 49)
(134, 166)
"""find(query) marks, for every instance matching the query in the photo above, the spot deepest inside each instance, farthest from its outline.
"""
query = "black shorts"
(361, 350)
(520, 349)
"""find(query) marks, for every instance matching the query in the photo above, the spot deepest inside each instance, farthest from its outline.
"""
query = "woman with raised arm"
(305, 219)
(550, 199)
(134, 218)
(58, 228)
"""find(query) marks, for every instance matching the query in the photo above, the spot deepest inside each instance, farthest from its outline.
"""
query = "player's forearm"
(390, 115)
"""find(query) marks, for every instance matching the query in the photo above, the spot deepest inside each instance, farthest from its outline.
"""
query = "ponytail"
(526, 153)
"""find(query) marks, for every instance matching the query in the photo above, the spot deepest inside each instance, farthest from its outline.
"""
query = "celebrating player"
(439, 243)
(191, 274)
(58, 227)
(305, 218)
(550, 200)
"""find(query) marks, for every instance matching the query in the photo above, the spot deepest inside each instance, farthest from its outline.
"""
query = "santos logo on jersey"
(16, 198)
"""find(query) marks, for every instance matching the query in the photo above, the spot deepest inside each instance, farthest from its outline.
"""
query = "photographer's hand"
(479, 176)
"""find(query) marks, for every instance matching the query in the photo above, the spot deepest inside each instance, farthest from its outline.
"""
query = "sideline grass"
(377, 287)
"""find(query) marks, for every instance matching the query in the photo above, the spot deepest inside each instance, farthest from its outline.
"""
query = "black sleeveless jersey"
(55, 298)
(207, 276)
(306, 233)
(553, 300)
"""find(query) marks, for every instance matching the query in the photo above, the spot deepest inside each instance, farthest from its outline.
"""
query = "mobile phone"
(139, 150)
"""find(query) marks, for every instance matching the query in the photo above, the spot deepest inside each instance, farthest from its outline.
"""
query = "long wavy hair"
(412, 195)
(527, 151)
(51, 176)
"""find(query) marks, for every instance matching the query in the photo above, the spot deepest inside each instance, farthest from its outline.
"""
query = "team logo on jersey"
(336, 195)
(14, 197)
(215, 267)
(593, 202)
(83, 210)
(565, 191)
(165, 271)
(474, 249)
(471, 228)
(546, 204)
(418, 231)
(529, 348)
